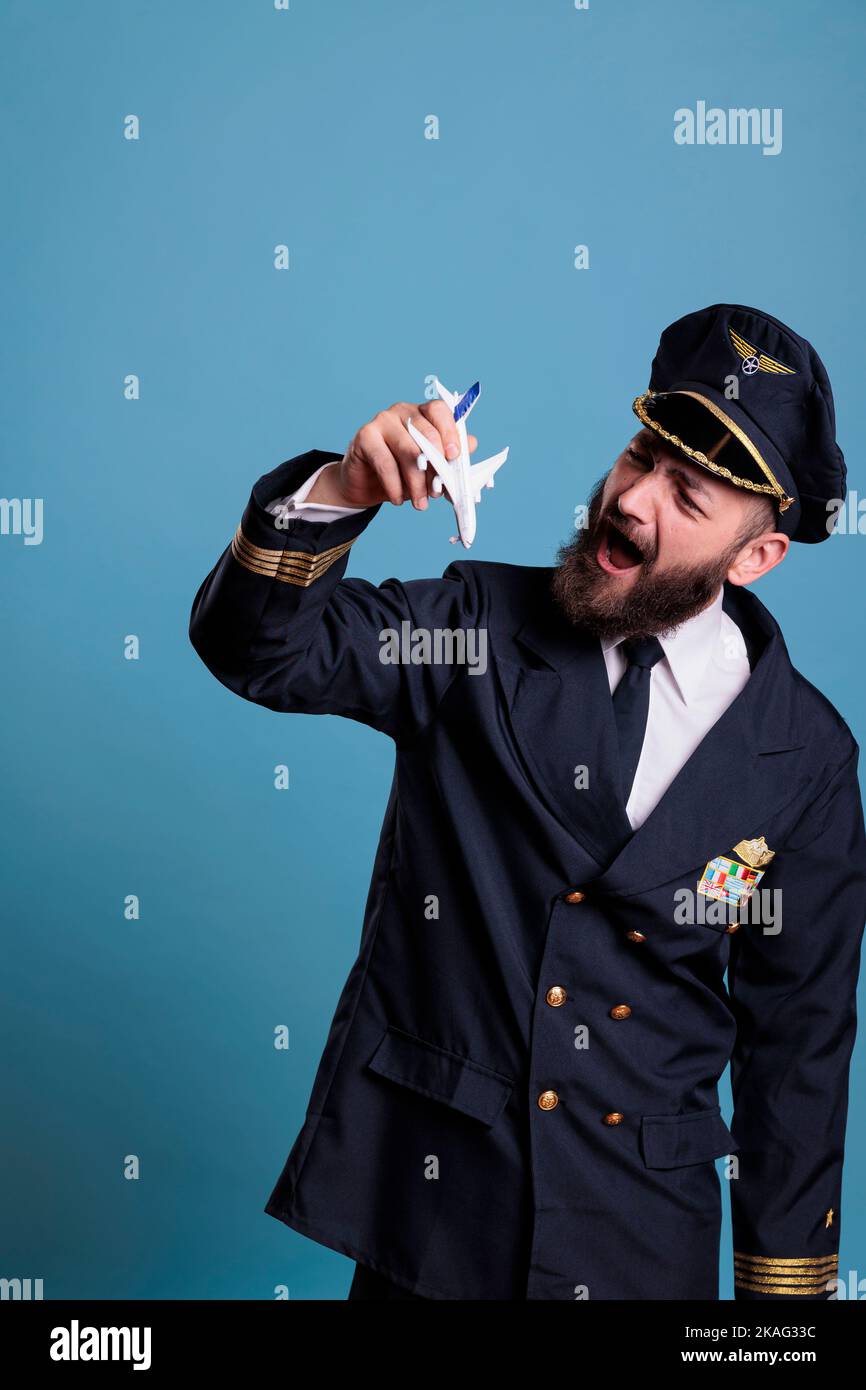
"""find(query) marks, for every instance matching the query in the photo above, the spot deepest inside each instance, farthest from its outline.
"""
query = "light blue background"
(408, 257)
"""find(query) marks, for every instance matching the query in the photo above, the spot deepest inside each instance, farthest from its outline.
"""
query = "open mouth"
(616, 553)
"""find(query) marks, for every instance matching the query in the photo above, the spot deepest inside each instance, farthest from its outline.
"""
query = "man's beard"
(651, 604)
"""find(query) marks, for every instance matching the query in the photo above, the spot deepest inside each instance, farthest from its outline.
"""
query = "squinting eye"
(638, 458)
(684, 497)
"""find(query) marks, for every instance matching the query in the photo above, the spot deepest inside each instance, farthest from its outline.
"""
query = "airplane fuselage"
(462, 479)
(464, 502)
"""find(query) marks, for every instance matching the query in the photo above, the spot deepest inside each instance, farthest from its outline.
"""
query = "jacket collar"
(562, 715)
(772, 725)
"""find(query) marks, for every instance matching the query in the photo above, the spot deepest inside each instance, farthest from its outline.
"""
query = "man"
(518, 1096)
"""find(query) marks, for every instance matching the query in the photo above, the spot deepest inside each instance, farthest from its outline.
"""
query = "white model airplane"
(462, 480)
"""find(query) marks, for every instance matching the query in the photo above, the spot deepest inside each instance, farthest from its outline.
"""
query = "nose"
(637, 500)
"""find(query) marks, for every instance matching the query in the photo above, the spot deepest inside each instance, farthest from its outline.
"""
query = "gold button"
(556, 995)
(614, 1118)
(620, 1011)
(575, 897)
(635, 936)
(548, 1100)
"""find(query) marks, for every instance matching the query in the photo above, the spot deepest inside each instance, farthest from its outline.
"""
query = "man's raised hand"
(381, 463)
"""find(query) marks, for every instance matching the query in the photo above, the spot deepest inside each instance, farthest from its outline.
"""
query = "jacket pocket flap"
(672, 1141)
(444, 1076)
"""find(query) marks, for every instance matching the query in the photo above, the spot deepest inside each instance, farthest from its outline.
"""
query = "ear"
(758, 556)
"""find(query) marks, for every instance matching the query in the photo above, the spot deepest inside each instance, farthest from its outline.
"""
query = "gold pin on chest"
(756, 852)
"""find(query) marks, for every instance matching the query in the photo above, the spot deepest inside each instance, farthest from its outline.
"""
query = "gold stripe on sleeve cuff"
(783, 1275)
(289, 566)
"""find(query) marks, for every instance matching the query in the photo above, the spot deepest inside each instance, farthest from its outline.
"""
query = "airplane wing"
(448, 397)
(442, 467)
(481, 474)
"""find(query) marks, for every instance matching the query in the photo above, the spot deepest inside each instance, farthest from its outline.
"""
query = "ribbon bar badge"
(728, 881)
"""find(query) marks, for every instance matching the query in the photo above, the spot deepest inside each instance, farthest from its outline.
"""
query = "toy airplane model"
(462, 480)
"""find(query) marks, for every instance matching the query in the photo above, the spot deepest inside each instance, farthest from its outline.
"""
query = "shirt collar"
(689, 647)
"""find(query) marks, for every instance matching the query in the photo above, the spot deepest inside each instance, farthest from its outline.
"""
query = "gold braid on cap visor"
(772, 487)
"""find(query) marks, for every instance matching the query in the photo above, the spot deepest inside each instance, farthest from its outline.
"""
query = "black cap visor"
(706, 432)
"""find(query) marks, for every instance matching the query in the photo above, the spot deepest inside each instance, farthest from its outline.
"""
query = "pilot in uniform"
(518, 1094)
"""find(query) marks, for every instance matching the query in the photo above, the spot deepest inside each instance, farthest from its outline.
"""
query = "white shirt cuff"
(295, 505)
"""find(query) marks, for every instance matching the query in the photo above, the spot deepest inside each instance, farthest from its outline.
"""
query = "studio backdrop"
(232, 233)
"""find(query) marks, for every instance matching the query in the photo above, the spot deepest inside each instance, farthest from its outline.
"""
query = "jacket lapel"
(745, 769)
(562, 716)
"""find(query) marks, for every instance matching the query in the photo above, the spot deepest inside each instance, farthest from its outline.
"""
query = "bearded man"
(627, 852)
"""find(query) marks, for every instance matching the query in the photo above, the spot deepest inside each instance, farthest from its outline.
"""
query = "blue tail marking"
(467, 400)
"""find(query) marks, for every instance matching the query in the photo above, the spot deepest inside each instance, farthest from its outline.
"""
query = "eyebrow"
(690, 480)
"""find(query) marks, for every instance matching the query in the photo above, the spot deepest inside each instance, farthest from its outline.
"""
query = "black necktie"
(631, 704)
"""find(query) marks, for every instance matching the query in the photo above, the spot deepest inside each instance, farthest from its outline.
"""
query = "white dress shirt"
(704, 667)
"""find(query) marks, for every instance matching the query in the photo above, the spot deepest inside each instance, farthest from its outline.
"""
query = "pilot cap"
(749, 399)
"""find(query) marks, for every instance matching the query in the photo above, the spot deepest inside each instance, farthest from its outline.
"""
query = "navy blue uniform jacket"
(518, 1096)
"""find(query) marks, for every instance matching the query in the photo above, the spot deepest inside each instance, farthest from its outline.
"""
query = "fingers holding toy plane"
(381, 462)
(408, 453)
(462, 480)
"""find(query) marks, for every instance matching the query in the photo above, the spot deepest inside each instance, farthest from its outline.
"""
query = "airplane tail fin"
(466, 401)
(459, 406)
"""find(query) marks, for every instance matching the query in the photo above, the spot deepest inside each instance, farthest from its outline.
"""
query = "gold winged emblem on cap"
(755, 852)
(754, 361)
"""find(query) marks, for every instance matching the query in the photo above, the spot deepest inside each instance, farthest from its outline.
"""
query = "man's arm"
(277, 622)
(794, 996)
